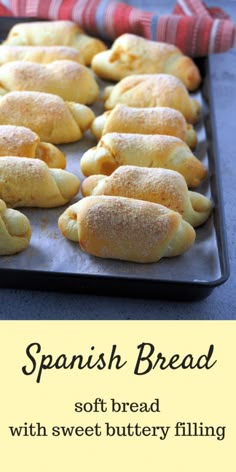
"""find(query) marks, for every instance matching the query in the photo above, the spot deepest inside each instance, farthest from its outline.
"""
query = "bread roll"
(55, 33)
(49, 116)
(117, 149)
(126, 229)
(153, 90)
(51, 155)
(157, 120)
(40, 54)
(131, 54)
(162, 186)
(15, 230)
(22, 142)
(29, 182)
(68, 79)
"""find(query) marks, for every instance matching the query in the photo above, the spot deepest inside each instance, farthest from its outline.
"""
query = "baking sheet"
(50, 251)
(51, 257)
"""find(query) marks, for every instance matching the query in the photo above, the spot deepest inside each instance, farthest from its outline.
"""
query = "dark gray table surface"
(221, 304)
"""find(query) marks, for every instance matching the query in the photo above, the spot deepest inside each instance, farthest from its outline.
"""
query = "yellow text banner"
(117, 395)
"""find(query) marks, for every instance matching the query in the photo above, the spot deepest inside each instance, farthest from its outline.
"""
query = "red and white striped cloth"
(194, 28)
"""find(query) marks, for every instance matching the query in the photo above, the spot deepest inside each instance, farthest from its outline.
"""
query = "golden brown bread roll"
(51, 155)
(162, 186)
(132, 54)
(15, 230)
(152, 91)
(117, 149)
(40, 54)
(126, 229)
(29, 182)
(55, 33)
(68, 79)
(23, 142)
(156, 120)
(49, 116)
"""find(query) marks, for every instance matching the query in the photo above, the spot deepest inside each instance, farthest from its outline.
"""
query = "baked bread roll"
(29, 182)
(49, 116)
(55, 33)
(15, 230)
(131, 54)
(155, 90)
(68, 79)
(142, 150)
(40, 54)
(162, 186)
(22, 142)
(126, 229)
(157, 120)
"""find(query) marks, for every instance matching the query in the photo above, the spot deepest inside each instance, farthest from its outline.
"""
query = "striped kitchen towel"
(194, 28)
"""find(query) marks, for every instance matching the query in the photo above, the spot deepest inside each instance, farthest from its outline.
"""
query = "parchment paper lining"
(49, 251)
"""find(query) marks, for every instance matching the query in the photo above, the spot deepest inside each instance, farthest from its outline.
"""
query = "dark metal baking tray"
(53, 263)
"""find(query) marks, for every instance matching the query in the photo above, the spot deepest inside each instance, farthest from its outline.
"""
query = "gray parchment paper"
(49, 251)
